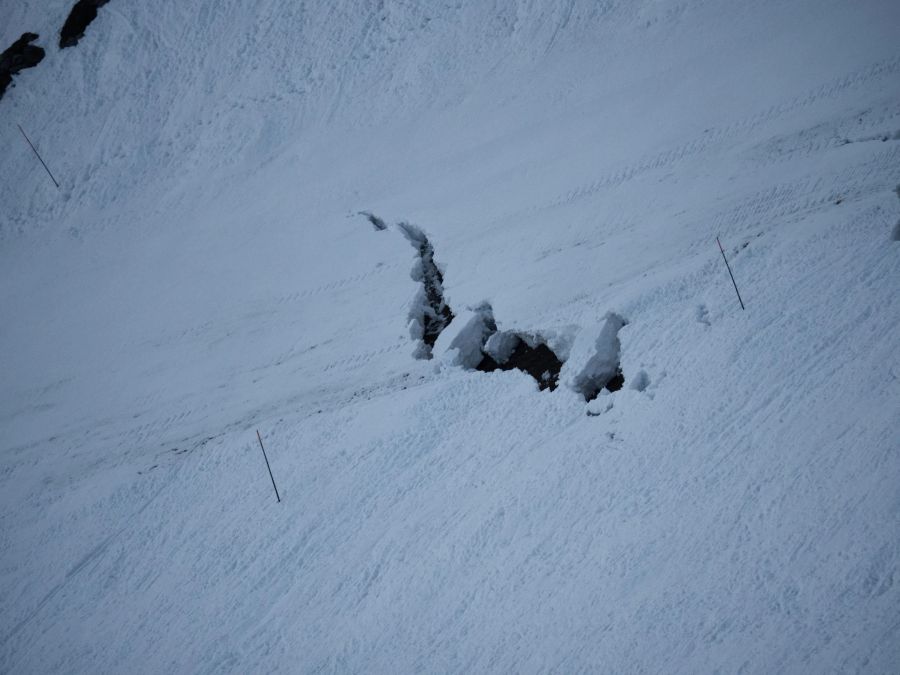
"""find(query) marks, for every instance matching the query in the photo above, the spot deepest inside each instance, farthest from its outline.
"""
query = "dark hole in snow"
(481, 347)
(616, 381)
(539, 361)
(474, 343)
(19, 56)
(81, 16)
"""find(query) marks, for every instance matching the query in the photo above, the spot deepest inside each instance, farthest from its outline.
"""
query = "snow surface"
(205, 272)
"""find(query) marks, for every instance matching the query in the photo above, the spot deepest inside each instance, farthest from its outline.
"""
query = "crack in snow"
(430, 313)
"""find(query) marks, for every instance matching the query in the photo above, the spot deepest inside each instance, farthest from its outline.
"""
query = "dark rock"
(82, 14)
(20, 55)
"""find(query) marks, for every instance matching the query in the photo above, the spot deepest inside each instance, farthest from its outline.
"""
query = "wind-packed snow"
(211, 266)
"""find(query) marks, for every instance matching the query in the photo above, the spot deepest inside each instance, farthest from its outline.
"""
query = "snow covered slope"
(204, 272)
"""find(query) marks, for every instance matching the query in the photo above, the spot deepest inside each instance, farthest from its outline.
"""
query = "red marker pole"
(730, 274)
(267, 465)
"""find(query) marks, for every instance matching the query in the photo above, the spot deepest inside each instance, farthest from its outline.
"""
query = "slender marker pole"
(38, 155)
(729, 273)
(267, 465)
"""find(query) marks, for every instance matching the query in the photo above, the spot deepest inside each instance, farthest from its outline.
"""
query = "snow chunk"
(602, 370)
(461, 342)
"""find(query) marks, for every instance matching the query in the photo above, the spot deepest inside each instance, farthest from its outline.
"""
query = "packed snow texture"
(204, 272)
